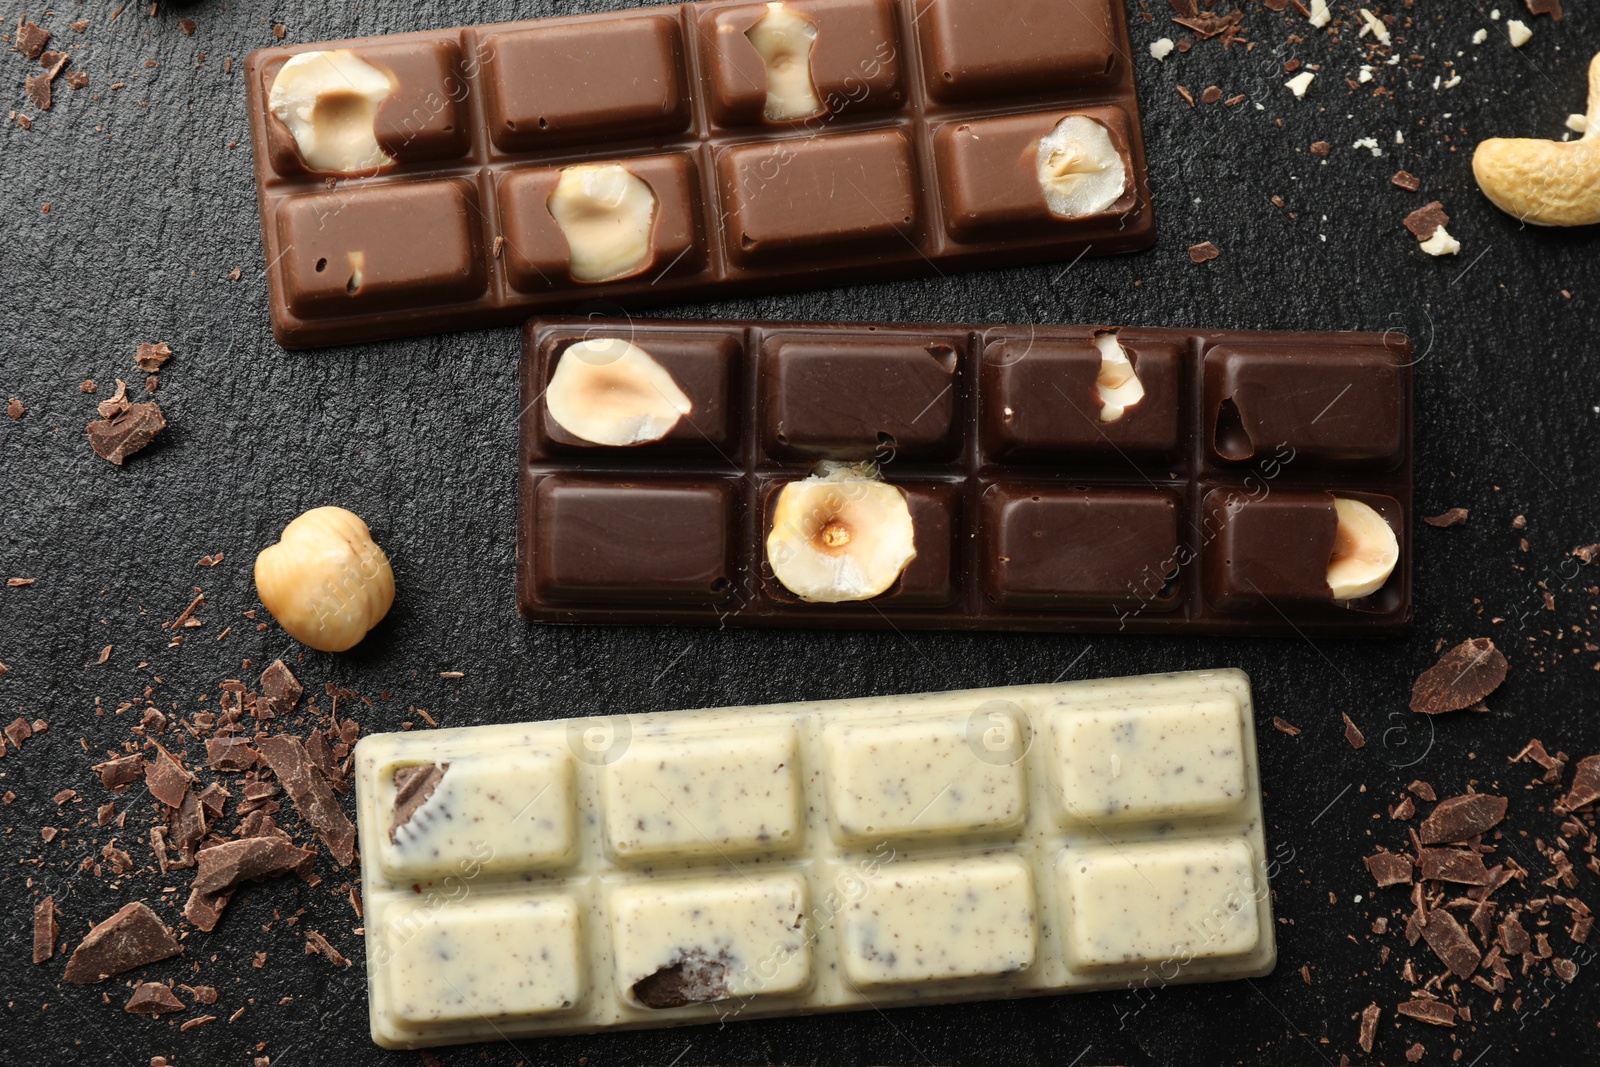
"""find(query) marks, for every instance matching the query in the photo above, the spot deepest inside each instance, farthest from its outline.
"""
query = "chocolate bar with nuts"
(463, 178)
(965, 477)
(740, 863)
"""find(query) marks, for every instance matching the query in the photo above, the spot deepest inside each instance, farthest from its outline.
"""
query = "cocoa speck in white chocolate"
(690, 867)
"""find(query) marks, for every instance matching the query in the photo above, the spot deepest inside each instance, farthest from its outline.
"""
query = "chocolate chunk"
(153, 998)
(131, 938)
(1462, 677)
(31, 39)
(19, 731)
(1388, 868)
(1403, 810)
(166, 779)
(311, 795)
(1451, 943)
(1407, 181)
(1452, 865)
(1453, 517)
(1321, 148)
(119, 773)
(1203, 252)
(213, 799)
(188, 826)
(1423, 791)
(117, 439)
(1426, 219)
(1553, 765)
(1434, 1012)
(38, 90)
(321, 755)
(44, 929)
(230, 754)
(205, 911)
(280, 689)
(1585, 786)
(1546, 7)
(1369, 1026)
(316, 943)
(1211, 95)
(412, 788)
(1352, 732)
(221, 868)
(151, 357)
(1459, 818)
(695, 978)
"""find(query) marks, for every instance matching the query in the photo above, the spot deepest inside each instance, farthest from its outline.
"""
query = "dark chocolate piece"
(230, 754)
(311, 795)
(44, 929)
(922, 157)
(695, 978)
(135, 427)
(166, 779)
(153, 998)
(280, 689)
(1457, 819)
(412, 788)
(1208, 505)
(131, 938)
(1462, 677)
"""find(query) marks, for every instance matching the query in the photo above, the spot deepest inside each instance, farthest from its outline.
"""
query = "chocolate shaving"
(131, 938)
(316, 943)
(153, 998)
(1451, 943)
(1453, 517)
(166, 779)
(1285, 726)
(1464, 676)
(1585, 786)
(151, 357)
(310, 794)
(1426, 219)
(116, 404)
(280, 690)
(203, 911)
(1423, 791)
(1433, 1012)
(44, 929)
(19, 731)
(1403, 810)
(230, 754)
(1207, 26)
(37, 87)
(202, 994)
(1459, 818)
(1388, 868)
(1565, 969)
(1452, 865)
(1369, 1026)
(119, 773)
(412, 788)
(1410, 183)
(117, 439)
(1352, 732)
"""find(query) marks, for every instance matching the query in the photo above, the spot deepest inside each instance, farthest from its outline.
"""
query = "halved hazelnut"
(610, 392)
(1080, 170)
(841, 535)
(1119, 386)
(606, 213)
(1365, 551)
(329, 101)
(784, 40)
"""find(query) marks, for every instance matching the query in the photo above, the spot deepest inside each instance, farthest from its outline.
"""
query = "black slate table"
(150, 207)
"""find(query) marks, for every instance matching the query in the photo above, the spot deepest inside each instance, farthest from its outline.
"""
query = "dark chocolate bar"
(1046, 478)
(414, 183)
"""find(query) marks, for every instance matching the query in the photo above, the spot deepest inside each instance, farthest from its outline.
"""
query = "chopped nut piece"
(1118, 384)
(1516, 173)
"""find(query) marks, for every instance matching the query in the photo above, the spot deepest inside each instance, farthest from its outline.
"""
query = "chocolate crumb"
(1369, 1026)
(1423, 791)
(1434, 1012)
(1285, 726)
(202, 994)
(198, 1020)
(280, 690)
(1321, 148)
(1352, 732)
(117, 439)
(19, 731)
(1456, 819)
(1406, 180)
(1426, 219)
(77, 79)
(15, 409)
(1545, 7)
(317, 944)
(150, 357)
(44, 929)
(131, 938)
(1587, 553)
(280, 31)
(1463, 676)
(1565, 969)
(1211, 95)
(153, 998)
(1403, 810)
(1203, 252)
(1188, 97)
(187, 26)
(1453, 517)
(1415, 1053)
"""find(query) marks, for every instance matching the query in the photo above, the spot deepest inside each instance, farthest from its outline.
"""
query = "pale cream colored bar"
(696, 866)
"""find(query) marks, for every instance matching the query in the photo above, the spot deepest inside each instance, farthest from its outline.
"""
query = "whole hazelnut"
(326, 581)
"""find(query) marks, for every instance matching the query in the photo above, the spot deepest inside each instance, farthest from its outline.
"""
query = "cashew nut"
(1546, 183)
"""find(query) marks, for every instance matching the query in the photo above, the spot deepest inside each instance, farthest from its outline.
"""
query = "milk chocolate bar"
(701, 866)
(965, 477)
(464, 178)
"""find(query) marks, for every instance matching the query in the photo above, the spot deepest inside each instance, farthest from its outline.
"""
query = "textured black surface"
(150, 210)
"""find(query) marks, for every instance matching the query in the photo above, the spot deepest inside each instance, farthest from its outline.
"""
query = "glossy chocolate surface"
(922, 161)
(1030, 513)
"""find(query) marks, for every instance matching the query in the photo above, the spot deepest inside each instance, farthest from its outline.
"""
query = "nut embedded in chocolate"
(1365, 551)
(1118, 383)
(607, 215)
(608, 391)
(1080, 171)
(784, 40)
(841, 535)
(329, 102)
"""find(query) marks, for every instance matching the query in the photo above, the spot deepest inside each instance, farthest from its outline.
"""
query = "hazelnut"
(1080, 171)
(325, 581)
(610, 392)
(1119, 386)
(329, 101)
(841, 535)
(1546, 183)
(606, 213)
(1365, 551)
(784, 40)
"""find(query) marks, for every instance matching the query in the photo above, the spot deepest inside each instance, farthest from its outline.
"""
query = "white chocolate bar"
(696, 866)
